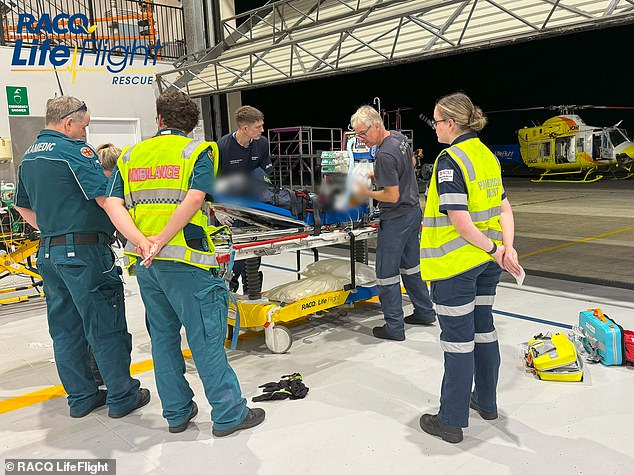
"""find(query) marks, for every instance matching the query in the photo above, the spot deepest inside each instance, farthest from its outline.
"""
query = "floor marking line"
(532, 319)
(572, 243)
(29, 399)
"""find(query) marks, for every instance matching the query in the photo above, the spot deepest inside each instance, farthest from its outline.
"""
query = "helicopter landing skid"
(587, 178)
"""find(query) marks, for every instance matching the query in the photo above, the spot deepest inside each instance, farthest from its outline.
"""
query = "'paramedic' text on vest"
(492, 186)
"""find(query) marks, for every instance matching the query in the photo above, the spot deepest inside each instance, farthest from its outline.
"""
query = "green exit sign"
(18, 100)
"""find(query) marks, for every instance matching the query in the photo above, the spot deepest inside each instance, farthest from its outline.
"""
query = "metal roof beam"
(285, 34)
(343, 37)
(390, 29)
(447, 24)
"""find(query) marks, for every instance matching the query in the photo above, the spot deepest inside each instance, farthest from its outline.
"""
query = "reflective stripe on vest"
(476, 216)
(160, 195)
(444, 252)
(179, 253)
(455, 244)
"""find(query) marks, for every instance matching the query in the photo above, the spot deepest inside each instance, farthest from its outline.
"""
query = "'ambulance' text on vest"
(160, 172)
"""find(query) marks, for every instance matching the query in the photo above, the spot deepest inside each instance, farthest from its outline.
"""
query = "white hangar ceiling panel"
(291, 40)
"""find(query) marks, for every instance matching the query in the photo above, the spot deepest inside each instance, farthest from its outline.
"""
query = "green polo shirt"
(59, 178)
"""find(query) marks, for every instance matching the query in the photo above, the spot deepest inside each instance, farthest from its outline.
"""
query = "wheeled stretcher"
(271, 231)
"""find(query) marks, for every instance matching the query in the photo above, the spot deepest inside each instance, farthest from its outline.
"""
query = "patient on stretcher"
(254, 199)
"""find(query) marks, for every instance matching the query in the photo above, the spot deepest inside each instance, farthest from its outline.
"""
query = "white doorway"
(121, 132)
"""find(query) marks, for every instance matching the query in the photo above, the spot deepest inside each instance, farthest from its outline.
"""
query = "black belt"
(78, 238)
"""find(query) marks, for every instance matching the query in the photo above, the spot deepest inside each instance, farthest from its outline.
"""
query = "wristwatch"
(494, 250)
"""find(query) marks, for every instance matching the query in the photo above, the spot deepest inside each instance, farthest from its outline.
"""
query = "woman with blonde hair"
(467, 240)
(108, 155)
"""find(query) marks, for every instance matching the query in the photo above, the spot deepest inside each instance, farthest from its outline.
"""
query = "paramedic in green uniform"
(155, 198)
(61, 191)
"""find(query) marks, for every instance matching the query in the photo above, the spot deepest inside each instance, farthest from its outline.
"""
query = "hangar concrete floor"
(366, 396)
(575, 231)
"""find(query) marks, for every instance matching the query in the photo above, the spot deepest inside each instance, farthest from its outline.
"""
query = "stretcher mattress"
(238, 206)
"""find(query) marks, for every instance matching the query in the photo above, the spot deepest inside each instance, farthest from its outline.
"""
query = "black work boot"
(414, 320)
(430, 424)
(381, 332)
(181, 427)
(142, 399)
(489, 416)
(254, 418)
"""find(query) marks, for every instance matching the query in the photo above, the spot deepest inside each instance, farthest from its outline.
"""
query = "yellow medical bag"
(554, 358)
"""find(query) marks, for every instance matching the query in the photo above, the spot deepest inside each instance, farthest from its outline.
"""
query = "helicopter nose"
(627, 151)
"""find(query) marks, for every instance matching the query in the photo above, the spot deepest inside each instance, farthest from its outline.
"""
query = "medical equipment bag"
(603, 337)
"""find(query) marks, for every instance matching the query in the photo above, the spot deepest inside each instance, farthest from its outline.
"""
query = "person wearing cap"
(467, 239)
(61, 189)
(157, 198)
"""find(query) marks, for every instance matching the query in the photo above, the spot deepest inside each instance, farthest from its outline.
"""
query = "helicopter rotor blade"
(520, 109)
(562, 109)
(589, 106)
(426, 120)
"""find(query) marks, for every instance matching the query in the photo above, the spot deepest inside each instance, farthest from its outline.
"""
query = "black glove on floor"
(289, 387)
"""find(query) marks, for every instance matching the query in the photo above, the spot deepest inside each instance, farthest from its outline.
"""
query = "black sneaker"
(101, 400)
(433, 426)
(181, 427)
(254, 418)
(489, 416)
(143, 399)
(412, 320)
(380, 332)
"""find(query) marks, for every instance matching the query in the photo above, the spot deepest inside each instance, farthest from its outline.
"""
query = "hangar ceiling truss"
(290, 40)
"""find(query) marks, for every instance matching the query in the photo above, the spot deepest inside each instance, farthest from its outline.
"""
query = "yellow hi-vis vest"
(156, 175)
(443, 252)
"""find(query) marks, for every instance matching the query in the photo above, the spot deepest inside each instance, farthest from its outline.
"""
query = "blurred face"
(254, 130)
(368, 135)
(76, 128)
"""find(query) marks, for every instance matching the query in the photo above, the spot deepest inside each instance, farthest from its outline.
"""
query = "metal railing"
(120, 25)
(296, 154)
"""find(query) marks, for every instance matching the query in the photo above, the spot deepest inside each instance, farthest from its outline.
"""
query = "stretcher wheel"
(278, 338)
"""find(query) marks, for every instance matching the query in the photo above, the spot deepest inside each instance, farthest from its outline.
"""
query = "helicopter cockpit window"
(580, 144)
(617, 137)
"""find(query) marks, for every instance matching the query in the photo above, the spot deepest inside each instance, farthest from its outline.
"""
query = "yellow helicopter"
(565, 146)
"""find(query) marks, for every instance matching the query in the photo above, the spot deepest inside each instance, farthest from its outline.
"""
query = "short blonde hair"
(458, 106)
(366, 115)
(108, 155)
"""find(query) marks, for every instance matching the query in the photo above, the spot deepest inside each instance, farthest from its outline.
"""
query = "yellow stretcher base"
(260, 314)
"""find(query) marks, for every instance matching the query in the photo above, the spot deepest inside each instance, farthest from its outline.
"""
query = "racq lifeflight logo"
(95, 54)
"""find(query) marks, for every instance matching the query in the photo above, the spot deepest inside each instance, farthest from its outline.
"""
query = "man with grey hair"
(398, 240)
(61, 192)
